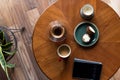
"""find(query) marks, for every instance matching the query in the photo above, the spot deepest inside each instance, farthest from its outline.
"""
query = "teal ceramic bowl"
(80, 30)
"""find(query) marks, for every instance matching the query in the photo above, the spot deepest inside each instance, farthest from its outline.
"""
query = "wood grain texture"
(114, 4)
(24, 13)
(105, 51)
(17, 14)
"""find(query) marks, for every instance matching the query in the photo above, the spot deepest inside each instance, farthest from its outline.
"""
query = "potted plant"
(5, 51)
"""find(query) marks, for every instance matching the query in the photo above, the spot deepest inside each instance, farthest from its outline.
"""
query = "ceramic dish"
(80, 30)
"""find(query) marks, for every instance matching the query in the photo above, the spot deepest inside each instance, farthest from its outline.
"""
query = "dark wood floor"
(24, 13)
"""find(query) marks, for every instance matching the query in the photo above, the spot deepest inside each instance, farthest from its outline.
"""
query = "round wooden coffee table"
(107, 49)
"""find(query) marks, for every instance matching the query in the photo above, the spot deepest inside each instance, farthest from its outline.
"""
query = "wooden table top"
(107, 50)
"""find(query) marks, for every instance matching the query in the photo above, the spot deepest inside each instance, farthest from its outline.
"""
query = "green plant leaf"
(7, 46)
(2, 59)
(1, 41)
(10, 53)
(6, 71)
(10, 65)
(1, 35)
(3, 63)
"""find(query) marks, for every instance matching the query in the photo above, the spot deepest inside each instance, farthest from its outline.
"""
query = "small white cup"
(64, 51)
(87, 11)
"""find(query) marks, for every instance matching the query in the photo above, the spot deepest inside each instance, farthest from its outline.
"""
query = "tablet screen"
(85, 69)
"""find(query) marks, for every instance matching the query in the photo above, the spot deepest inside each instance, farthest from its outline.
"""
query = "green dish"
(80, 30)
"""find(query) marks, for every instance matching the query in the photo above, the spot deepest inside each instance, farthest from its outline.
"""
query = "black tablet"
(86, 70)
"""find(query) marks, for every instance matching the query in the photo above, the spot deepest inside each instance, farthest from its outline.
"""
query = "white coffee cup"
(87, 11)
(64, 51)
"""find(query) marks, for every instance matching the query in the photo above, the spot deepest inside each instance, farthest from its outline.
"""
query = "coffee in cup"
(64, 51)
(57, 32)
